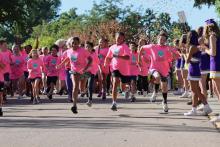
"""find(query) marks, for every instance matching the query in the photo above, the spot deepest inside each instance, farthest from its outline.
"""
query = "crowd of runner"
(78, 68)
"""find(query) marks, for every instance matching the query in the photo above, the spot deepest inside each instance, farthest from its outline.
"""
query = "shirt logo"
(53, 61)
(160, 53)
(100, 56)
(133, 59)
(73, 58)
(116, 51)
(35, 65)
(17, 62)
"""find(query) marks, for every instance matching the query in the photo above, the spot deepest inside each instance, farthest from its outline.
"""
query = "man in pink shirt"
(118, 57)
(161, 56)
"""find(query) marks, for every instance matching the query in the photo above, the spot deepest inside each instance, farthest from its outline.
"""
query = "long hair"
(211, 28)
(192, 38)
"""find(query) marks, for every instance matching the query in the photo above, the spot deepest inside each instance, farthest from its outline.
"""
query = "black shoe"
(60, 92)
(103, 96)
(1, 112)
(114, 107)
(189, 103)
(50, 97)
(74, 109)
(82, 94)
(133, 99)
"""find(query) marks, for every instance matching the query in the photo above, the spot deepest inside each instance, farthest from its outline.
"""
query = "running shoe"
(153, 97)
(191, 113)
(74, 109)
(114, 107)
(185, 95)
(1, 112)
(207, 110)
(133, 98)
(215, 119)
(89, 103)
(165, 107)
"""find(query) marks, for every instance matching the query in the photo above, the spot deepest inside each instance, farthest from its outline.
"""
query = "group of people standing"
(76, 67)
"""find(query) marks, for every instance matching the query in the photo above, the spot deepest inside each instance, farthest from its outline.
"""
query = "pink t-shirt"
(145, 65)
(35, 68)
(94, 67)
(26, 58)
(102, 53)
(118, 63)
(44, 59)
(17, 66)
(134, 70)
(160, 58)
(78, 59)
(6, 55)
(50, 65)
(64, 55)
(1, 69)
(62, 71)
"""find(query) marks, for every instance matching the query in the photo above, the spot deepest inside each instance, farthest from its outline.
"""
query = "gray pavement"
(134, 124)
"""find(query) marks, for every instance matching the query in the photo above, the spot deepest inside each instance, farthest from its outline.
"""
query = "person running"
(161, 57)
(101, 51)
(17, 71)
(2, 67)
(194, 76)
(35, 68)
(134, 70)
(118, 58)
(212, 35)
(92, 70)
(43, 57)
(144, 65)
(52, 72)
(7, 61)
(80, 61)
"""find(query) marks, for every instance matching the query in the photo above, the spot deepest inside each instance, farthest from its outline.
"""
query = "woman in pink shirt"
(35, 68)
(52, 72)
(17, 71)
(118, 57)
(80, 61)
(2, 66)
(102, 51)
(161, 57)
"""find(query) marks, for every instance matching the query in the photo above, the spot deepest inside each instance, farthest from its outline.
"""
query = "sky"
(195, 17)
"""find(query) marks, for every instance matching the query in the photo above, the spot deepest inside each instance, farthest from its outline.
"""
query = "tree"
(198, 3)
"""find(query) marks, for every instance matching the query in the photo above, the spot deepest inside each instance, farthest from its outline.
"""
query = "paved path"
(134, 124)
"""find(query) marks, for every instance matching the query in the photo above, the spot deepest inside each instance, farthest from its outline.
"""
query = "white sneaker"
(207, 110)
(144, 93)
(165, 107)
(178, 92)
(20, 97)
(153, 97)
(191, 113)
(215, 119)
(200, 107)
(89, 103)
(185, 95)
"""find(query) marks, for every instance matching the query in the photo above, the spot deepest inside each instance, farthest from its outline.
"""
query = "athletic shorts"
(1, 86)
(117, 74)
(26, 74)
(52, 79)
(156, 74)
(133, 78)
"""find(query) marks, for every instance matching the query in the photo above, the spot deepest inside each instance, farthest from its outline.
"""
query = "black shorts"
(1, 86)
(33, 80)
(26, 74)
(7, 77)
(117, 74)
(52, 79)
(133, 78)
(155, 73)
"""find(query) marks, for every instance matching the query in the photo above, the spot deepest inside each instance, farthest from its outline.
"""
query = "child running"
(118, 57)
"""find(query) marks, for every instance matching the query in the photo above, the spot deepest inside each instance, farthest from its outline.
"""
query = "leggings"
(69, 83)
(91, 85)
(142, 83)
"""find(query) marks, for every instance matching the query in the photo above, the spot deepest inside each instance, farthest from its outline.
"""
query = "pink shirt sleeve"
(110, 53)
